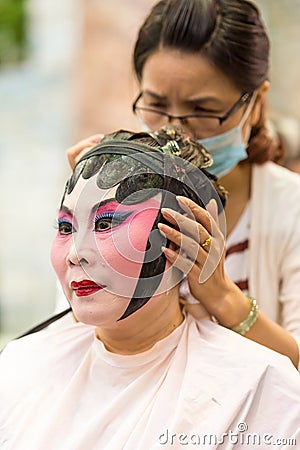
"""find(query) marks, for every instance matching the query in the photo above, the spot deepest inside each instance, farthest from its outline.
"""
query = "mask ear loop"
(246, 115)
(248, 109)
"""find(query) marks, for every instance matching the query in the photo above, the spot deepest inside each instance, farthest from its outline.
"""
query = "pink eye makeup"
(64, 226)
(106, 221)
(104, 217)
(65, 222)
(111, 215)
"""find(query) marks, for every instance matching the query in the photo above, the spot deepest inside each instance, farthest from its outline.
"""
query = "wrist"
(233, 309)
(244, 326)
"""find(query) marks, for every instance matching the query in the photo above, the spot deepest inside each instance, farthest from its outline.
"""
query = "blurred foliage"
(12, 31)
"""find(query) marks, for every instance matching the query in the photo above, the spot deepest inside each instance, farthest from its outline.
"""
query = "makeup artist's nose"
(174, 120)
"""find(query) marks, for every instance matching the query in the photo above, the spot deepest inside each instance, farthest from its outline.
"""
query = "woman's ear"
(255, 114)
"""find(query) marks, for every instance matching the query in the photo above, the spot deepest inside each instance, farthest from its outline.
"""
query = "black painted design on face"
(141, 171)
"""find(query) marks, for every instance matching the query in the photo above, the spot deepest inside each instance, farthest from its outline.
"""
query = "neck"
(140, 331)
(238, 179)
(238, 185)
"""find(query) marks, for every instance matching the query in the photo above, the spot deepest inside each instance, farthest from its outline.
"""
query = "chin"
(103, 312)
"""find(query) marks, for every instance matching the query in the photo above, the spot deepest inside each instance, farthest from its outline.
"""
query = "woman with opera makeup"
(138, 368)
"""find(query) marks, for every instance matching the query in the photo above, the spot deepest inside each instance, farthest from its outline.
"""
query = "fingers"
(210, 218)
(75, 152)
(190, 253)
(178, 260)
(207, 217)
(188, 244)
(212, 208)
(189, 224)
(194, 261)
(201, 244)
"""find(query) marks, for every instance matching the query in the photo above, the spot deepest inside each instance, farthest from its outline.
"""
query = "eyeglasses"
(204, 124)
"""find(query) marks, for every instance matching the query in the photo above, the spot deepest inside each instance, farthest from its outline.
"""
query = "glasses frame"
(183, 119)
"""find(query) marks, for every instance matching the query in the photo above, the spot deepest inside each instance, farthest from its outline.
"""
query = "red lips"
(85, 287)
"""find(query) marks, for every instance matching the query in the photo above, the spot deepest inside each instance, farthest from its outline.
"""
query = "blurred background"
(66, 73)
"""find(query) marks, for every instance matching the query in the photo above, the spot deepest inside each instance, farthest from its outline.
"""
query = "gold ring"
(206, 242)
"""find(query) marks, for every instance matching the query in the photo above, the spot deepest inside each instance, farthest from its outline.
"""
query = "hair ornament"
(171, 148)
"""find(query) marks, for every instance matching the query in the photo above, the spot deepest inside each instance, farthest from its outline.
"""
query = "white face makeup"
(99, 250)
(108, 250)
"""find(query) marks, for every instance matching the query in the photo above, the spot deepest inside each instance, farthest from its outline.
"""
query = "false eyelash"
(115, 218)
(63, 219)
(60, 220)
(112, 214)
(106, 215)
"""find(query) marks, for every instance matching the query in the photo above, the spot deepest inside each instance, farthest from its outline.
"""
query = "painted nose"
(83, 253)
(76, 259)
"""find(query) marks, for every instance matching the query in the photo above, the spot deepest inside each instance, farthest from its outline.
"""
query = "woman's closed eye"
(203, 111)
(155, 105)
(110, 219)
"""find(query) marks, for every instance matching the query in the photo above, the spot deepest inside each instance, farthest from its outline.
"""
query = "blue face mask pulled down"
(227, 149)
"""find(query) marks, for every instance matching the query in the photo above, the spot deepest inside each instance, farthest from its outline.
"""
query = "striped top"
(237, 251)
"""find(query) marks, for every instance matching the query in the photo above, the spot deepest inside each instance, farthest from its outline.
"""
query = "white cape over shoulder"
(203, 386)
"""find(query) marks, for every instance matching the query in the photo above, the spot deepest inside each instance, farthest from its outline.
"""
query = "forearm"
(273, 336)
(235, 307)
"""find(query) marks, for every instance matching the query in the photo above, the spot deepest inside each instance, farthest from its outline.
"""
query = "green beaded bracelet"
(243, 327)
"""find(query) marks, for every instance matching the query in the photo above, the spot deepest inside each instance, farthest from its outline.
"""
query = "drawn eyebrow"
(94, 209)
(64, 208)
(104, 202)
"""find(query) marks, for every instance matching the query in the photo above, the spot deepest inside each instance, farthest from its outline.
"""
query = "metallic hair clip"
(171, 148)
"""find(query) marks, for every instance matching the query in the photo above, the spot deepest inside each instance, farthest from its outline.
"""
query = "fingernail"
(182, 199)
(169, 253)
(167, 212)
(183, 202)
(160, 226)
(212, 201)
(212, 208)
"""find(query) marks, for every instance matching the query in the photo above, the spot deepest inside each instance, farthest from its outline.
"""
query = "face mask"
(229, 148)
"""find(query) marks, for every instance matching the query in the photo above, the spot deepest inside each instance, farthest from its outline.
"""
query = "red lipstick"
(85, 287)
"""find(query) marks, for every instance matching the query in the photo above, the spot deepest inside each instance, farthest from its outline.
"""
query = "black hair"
(230, 34)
